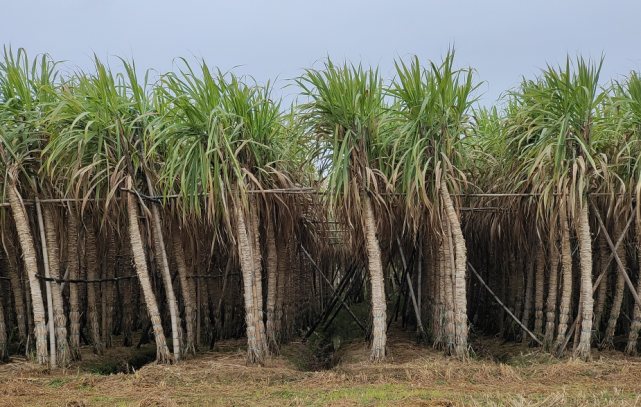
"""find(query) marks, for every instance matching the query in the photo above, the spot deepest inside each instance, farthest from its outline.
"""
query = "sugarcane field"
(191, 238)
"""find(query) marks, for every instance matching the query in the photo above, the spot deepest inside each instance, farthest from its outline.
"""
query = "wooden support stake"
(45, 256)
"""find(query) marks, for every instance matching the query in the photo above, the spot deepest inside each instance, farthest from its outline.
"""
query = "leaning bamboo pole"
(161, 258)
(52, 330)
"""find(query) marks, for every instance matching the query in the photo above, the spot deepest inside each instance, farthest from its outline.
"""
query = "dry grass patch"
(411, 375)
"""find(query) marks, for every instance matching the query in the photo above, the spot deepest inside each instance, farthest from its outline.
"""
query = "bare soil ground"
(499, 374)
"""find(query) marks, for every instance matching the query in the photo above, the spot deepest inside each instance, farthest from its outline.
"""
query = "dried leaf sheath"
(587, 303)
(31, 268)
(254, 350)
(458, 278)
(379, 306)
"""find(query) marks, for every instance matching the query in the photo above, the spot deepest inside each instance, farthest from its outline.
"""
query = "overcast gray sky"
(501, 39)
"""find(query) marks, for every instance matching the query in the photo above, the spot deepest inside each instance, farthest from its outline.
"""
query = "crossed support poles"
(595, 286)
(613, 255)
(334, 293)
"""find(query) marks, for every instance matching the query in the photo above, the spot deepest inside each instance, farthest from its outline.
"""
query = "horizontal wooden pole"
(60, 280)
(308, 191)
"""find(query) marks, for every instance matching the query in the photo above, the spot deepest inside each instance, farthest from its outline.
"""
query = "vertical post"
(45, 256)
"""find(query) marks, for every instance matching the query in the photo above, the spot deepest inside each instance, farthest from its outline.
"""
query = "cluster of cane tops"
(210, 136)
